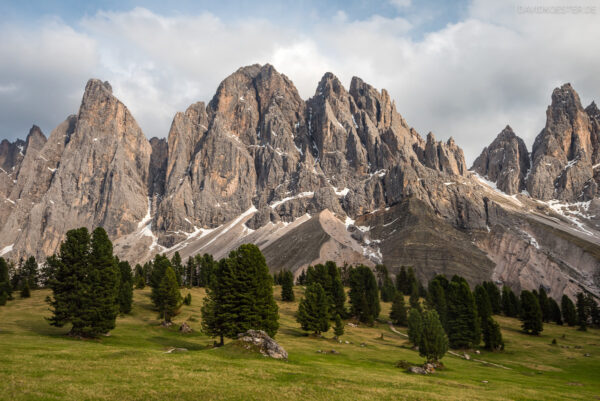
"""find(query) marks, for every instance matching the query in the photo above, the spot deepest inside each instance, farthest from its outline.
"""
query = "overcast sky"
(464, 69)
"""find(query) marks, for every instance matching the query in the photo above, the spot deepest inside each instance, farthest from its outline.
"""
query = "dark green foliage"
(510, 303)
(159, 267)
(338, 329)
(434, 342)
(189, 278)
(593, 309)
(385, 283)
(85, 282)
(25, 291)
(494, 295)
(436, 298)
(492, 336)
(582, 311)
(313, 311)
(206, 265)
(415, 327)
(463, 320)
(187, 300)
(29, 273)
(568, 311)
(401, 280)
(364, 296)
(482, 299)
(414, 300)
(3, 297)
(398, 312)
(336, 292)
(555, 314)
(531, 313)
(125, 296)
(287, 286)
(302, 278)
(139, 277)
(168, 297)
(5, 286)
(240, 296)
(544, 304)
(178, 269)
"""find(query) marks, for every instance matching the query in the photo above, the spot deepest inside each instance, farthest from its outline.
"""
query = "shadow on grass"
(42, 327)
(290, 331)
(178, 343)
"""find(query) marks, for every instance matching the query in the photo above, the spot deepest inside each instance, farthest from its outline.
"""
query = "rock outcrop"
(505, 162)
(261, 341)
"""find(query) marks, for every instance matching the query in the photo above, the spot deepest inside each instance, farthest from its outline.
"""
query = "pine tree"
(29, 272)
(415, 327)
(544, 304)
(492, 336)
(411, 281)
(206, 266)
(436, 298)
(313, 311)
(385, 283)
(240, 296)
(25, 292)
(401, 280)
(463, 321)
(555, 314)
(159, 267)
(509, 302)
(494, 295)
(177, 266)
(188, 299)
(434, 342)
(337, 293)
(364, 295)
(593, 310)
(582, 312)
(138, 278)
(287, 287)
(531, 313)
(125, 297)
(302, 278)
(398, 312)
(168, 296)
(414, 300)
(5, 286)
(338, 329)
(190, 272)
(568, 311)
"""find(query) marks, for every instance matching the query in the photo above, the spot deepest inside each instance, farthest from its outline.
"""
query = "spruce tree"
(582, 312)
(313, 311)
(302, 278)
(159, 267)
(463, 322)
(415, 327)
(494, 295)
(411, 281)
(240, 296)
(168, 296)
(401, 280)
(492, 336)
(206, 266)
(337, 293)
(177, 265)
(125, 297)
(5, 286)
(190, 272)
(29, 272)
(531, 313)
(398, 312)
(436, 299)
(568, 311)
(555, 314)
(434, 342)
(364, 295)
(386, 285)
(509, 302)
(593, 310)
(25, 292)
(287, 286)
(414, 300)
(544, 304)
(338, 329)
(138, 278)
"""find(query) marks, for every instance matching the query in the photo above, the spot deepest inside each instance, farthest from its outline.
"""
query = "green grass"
(39, 362)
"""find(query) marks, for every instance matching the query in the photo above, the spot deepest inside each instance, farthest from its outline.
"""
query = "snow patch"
(300, 195)
(51, 169)
(342, 192)
(6, 249)
(248, 212)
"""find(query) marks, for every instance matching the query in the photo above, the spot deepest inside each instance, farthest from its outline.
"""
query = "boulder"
(264, 343)
(417, 370)
(185, 328)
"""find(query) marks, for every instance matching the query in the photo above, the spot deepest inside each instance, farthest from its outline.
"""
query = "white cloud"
(468, 80)
(401, 4)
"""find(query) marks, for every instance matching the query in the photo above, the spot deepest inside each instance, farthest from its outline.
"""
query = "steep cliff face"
(505, 162)
(563, 153)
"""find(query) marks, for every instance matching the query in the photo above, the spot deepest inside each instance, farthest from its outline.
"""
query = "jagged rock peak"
(592, 110)
(330, 86)
(446, 157)
(505, 162)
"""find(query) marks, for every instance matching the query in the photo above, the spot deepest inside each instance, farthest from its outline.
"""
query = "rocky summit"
(340, 176)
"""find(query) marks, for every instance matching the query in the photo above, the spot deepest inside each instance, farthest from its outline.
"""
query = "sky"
(464, 69)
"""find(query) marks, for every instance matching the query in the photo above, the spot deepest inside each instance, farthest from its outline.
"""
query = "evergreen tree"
(313, 311)
(593, 310)
(190, 272)
(582, 312)
(402, 280)
(125, 297)
(188, 299)
(413, 300)
(415, 327)
(338, 329)
(494, 295)
(287, 286)
(138, 278)
(531, 313)
(25, 292)
(302, 278)
(5, 287)
(568, 311)
(168, 295)
(492, 336)
(159, 267)
(509, 302)
(398, 312)
(434, 342)
(544, 304)
(177, 265)
(463, 321)
(411, 281)
(3, 297)
(364, 296)
(29, 273)
(436, 298)
(555, 314)
(386, 285)
(240, 296)
(206, 266)
(482, 299)
(337, 293)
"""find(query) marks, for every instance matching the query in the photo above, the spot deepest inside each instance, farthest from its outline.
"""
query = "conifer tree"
(168, 296)
(555, 314)
(337, 293)
(509, 302)
(436, 298)
(398, 314)
(287, 286)
(544, 304)
(492, 336)
(302, 278)
(593, 310)
(338, 329)
(206, 266)
(401, 280)
(463, 322)
(25, 292)
(568, 311)
(415, 327)
(434, 342)
(125, 296)
(313, 311)
(188, 299)
(177, 265)
(494, 295)
(190, 272)
(364, 295)
(138, 278)
(531, 313)
(29, 272)
(385, 283)
(159, 268)
(411, 281)
(582, 312)
(5, 287)
(414, 300)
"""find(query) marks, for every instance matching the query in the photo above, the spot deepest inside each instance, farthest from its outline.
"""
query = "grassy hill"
(38, 362)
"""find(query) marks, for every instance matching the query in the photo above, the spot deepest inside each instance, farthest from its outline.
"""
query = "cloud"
(496, 66)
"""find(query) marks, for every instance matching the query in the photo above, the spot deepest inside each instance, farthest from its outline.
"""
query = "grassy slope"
(38, 362)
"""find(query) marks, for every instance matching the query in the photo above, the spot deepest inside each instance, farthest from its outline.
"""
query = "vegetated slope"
(38, 361)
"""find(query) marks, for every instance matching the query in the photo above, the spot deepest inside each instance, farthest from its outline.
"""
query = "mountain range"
(340, 176)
